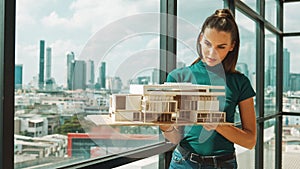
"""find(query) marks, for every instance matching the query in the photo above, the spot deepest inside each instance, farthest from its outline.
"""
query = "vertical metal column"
(260, 82)
(279, 78)
(7, 64)
(230, 5)
(168, 34)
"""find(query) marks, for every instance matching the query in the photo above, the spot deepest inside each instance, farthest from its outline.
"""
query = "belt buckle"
(191, 157)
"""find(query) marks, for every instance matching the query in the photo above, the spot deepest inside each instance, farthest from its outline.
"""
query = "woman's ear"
(232, 46)
(200, 37)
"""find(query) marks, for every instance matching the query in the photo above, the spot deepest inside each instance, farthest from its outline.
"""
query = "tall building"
(294, 82)
(48, 62)
(18, 76)
(270, 64)
(155, 76)
(42, 64)
(102, 75)
(114, 84)
(70, 69)
(79, 76)
(90, 73)
(286, 69)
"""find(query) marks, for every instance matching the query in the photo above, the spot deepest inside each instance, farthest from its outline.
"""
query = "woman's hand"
(166, 128)
(171, 133)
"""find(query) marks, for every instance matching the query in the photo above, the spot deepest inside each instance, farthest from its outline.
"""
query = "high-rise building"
(48, 62)
(155, 76)
(79, 76)
(114, 84)
(90, 73)
(294, 82)
(102, 75)
(286, 70)
(70, 69)
(42, 64)
(18, 76)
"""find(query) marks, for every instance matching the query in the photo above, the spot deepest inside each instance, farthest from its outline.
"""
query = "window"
(290, 141)
(290, 19)
(190, 17)
(247, 65)
(271, 11)
(247, 56)
(270, 73)
(74, 53)
(269, 144)
(291, 75)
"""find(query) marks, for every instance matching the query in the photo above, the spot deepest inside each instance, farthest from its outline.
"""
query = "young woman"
(212, 146)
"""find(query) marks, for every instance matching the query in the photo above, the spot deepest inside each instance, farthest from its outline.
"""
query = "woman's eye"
(221, 47)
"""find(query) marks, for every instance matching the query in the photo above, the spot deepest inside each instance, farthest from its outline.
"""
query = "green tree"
(76, 125)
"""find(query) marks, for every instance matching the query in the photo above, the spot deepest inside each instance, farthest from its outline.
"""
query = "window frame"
(168, 62)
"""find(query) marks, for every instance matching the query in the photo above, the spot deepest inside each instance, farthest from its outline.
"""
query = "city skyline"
(59, 23)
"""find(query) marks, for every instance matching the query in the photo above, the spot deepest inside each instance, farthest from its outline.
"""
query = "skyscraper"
(48, 63)
(42, 64)
(18, 76)
(90, 76)
(102, 75)
(70, 69)
(79, 76)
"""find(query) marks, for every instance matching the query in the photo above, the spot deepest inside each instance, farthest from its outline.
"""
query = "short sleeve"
(246, 90)
(172, 77)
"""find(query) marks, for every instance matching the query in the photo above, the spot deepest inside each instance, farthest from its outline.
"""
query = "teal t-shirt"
(237, 88)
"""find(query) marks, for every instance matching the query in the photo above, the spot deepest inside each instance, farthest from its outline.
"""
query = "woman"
(212, 146)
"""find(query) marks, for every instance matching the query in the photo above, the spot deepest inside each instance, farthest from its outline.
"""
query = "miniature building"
(169, 102)
(126, 107)
(158, 108)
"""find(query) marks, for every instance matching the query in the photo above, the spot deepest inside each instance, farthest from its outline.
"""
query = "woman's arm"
(246, 136)
(171, 133)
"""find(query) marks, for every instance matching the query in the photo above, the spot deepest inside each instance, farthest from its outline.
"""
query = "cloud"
(54, 20)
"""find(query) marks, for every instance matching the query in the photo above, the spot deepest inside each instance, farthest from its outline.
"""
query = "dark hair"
(222, 20)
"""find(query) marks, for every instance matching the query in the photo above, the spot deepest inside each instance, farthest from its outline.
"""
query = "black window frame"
(167, 63)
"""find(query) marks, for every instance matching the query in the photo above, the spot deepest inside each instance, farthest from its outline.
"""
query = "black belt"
(208, 160)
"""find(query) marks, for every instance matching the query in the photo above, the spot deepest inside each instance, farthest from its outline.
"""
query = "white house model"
(169, 102)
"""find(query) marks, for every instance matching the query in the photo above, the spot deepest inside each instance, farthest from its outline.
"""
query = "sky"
(123, 33)
(69, 25)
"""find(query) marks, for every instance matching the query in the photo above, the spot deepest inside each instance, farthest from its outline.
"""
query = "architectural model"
(168, 103)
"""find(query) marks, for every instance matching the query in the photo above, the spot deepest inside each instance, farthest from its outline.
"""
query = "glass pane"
(269, 144)
(190, 19)
(251, 4)
(291, 75)
(271, 11)
(290, 141)
(70, 57)
(291, 22)
(270, 73)
(247, 56)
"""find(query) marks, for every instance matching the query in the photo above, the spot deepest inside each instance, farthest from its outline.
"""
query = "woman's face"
(215, 46)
